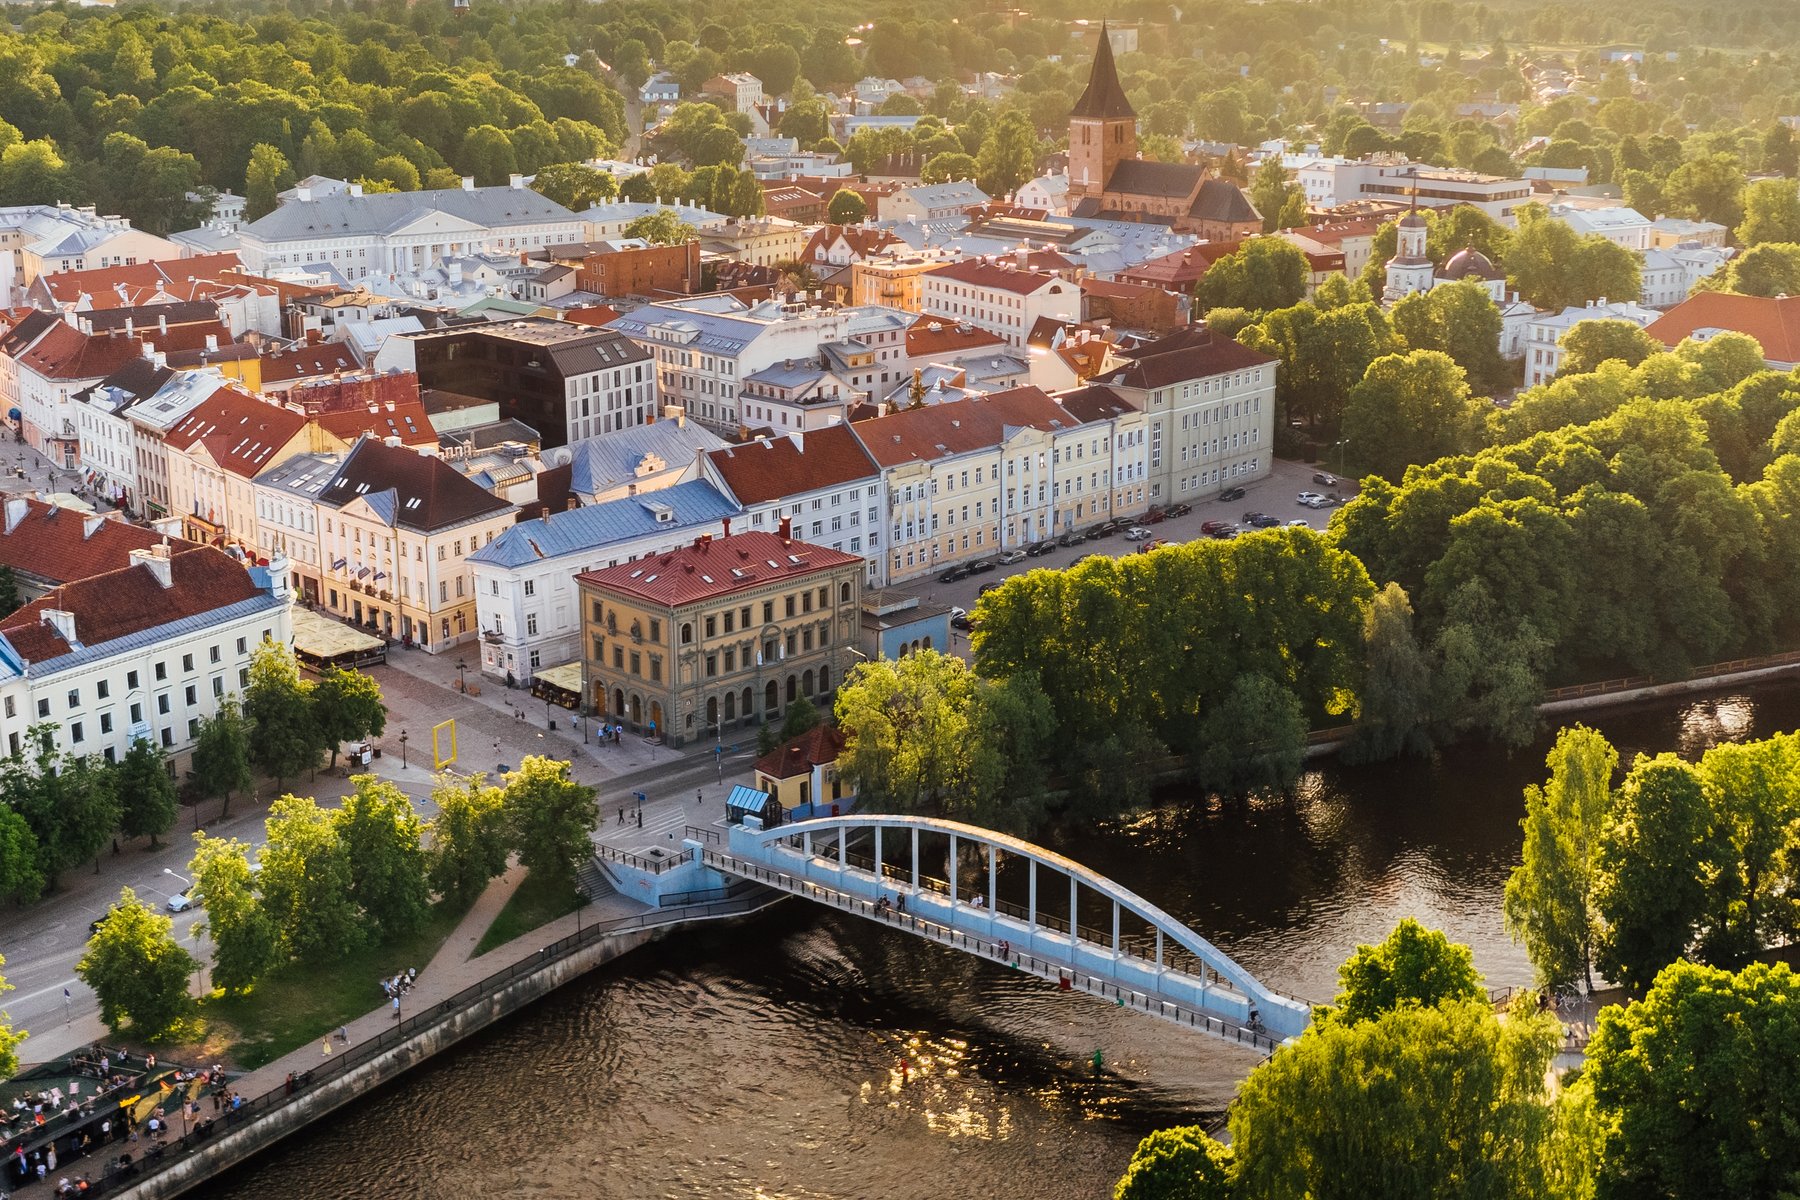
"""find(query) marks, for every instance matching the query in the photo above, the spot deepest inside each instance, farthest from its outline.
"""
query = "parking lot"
(1273, 495)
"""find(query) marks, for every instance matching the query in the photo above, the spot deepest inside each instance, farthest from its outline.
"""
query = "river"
(766, 1060)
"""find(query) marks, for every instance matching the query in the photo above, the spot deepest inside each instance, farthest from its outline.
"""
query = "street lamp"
(403, 749)
(184, 879)
(461, 666)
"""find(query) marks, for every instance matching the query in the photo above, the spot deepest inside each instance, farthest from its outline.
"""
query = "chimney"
(515, 182)
(90, 526)
(212, 343)
(129, 326)
(162, 322)
(157, 559)
(727, 526)
(573, 504)
(17, 509)
(356, 189)
(303, 194)
(468, 183)
(786, 531)
(63, 621)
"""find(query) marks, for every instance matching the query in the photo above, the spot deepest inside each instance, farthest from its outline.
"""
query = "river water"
(766, 1060)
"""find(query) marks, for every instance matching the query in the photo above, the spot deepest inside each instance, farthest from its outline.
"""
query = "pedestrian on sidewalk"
(621, 815)
(327, 1046)
(698, 799)
(640, 818)
(396, 1008)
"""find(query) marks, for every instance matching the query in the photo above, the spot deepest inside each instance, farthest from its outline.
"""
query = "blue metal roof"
(748, 799)
(587, 529)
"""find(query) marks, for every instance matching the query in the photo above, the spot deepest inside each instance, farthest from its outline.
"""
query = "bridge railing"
(639, 862)
(706, 835)
(1066, 974)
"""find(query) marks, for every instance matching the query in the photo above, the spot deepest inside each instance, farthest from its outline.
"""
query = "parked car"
(1095, 532)
(1261, 520)
(981, 565)
(964, 622)
(1136, 533)
(1071, 539)
(1318, 502)
(182, 901)
(985, 588)
(1325, 478)
(1232, 493)
(1307, 498)
(954, 573)
(1009, 557)
(1179, 510)
(94, 925)
(1298, 523)
(1225, 534)
(1038, 549)
(1211, 527)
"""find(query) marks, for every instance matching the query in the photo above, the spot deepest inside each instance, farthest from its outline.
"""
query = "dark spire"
(1104, 99)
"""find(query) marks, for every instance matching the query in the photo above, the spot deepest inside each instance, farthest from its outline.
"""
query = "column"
(878, 875)
(915, 858)
(993, 874)
(1031, 896)
(953, 870)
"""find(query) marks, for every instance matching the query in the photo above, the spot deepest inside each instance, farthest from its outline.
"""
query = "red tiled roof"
(764, 470)
(308, 362)
(239, 431)
(61, 545)
(1002, 277)
(66, 353)
(717, 567)
(1772, 321)
(142, 283)
(939, 430)
(1339, 232)
(129, 600)
(597, 315)
(865, 241)
(1192, 353)
(939, 335)
(817, 747)
(406, 420)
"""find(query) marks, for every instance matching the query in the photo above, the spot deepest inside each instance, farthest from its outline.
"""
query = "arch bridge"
(1138, 956)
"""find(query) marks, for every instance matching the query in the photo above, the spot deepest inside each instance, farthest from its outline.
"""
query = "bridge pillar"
(878, 875)
(1031, 898)
(1159, 961)
(806, 843)
(953, 872)
(1074, 917)
(993, 873)
(915, 865)
(1115, 904)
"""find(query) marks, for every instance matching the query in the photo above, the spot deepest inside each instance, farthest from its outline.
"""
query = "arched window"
(806, 681)
(731, 706)
(712, 710)
(824, 680)
(771, 699)
(687, 633)
(844, 593)
(793, 689)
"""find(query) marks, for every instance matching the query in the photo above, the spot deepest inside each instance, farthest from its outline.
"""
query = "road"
(1274, 495)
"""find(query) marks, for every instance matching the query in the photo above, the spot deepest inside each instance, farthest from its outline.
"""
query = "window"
(637, 663)
(656, 629)
(103, 689)
(768, 611)
(162, 704)
(790, 606)
(191, 697)
(187, 662)
(530, 587)
(168, 738)
(656, 668)
(215, 654)
(687, 633)
(531, 624)
(105, 722)
(240, 646)
(162, 673)
(137, 713)
(244, 678)
(711, 626)
(76, 733)
(74, 697)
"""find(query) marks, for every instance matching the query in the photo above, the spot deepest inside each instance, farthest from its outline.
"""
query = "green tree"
(1652, 889)
(306, 882)
(1552, 897)
(138, 970)
(847, 208)
(469, 836)
(1266, 273)
(551, 817)
(346, 707)
(801, 716)
(1587, 344)
(1697, 1086)
(747, 197)
(21, 879)
(1396, 695)
(1410, 408)
(267, 175)
(1708, 188)
(396, 172)
(574, 185)
(1766, 269)
(221, 763)
(1754, 804)
(1182, 1163)
(1008, 155)
(244, 938)
(1771, 212)
(9, 1036)
(947, 167)
(148, 803)
(1418, 1102)
(660, 228)
(1458, 319)
(9, 591)
(1252, 740)
(1413, 967)
(1553, 267)
(1269, 191)
(906, 724)
(487, 154)
(382, 838)
(285, 736)
(70, 802)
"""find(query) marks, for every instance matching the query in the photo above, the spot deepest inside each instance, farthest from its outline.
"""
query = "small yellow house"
(804, 771)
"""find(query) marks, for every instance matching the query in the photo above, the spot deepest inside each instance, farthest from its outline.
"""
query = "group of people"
(611, 733)
(883, 905)
(399, 985)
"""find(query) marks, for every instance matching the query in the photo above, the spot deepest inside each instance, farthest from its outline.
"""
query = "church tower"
(1411, 269)
(1102, 127)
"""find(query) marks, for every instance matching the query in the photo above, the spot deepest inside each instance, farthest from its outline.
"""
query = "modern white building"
(1619, 225)
(403, 232)
(108, 446)
(526, 602)
(144, 652)
(1543, 336)
(1048, 192)
(1331, 182)
(1669, 275)
(933, 201)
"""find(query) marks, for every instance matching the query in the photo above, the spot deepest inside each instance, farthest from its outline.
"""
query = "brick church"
(1108, 180)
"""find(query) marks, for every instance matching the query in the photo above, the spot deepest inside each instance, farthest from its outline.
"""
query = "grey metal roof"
(143, 639)
(599, 464)
(302, 475)
(586, 530)
(368, 216)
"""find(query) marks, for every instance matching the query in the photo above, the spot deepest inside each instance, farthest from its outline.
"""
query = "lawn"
(537, 902)
(303, 1002)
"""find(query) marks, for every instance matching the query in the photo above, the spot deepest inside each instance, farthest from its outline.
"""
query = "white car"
(1318, 502)
(1012, 556)
(1299, 523)
(182, 901)
(1308, 498)
(1137, 533)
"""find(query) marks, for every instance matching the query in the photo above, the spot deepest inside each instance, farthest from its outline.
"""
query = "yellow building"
(718, 635)
(893, 282)
(804, 770)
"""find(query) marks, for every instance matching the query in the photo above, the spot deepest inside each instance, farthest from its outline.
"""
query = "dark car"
(1095, 532)
(1232, 493)
(981, 565)
(1071, 539)
(985, 588)
(954, 574)
(1261, 520)
(1326, 478)
(1180, 510)
(1038, 549)
(94, 925)
(1212, 527)
(962, 621)
(1154, 517)
(1224, 534)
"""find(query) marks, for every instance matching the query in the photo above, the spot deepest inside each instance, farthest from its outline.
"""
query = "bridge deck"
(1032, 957)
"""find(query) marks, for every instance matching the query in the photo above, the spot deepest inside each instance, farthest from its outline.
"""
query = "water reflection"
(809, 1055)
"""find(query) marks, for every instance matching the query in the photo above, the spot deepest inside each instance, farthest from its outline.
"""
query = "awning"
(567, 677)
(320, 641)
